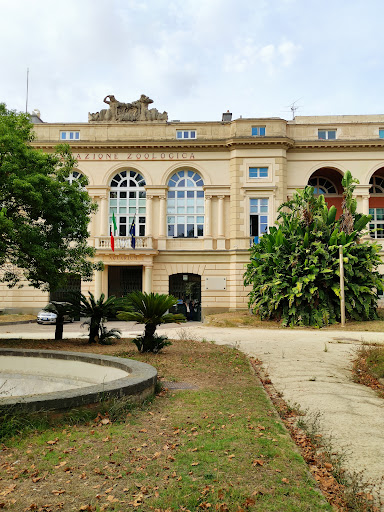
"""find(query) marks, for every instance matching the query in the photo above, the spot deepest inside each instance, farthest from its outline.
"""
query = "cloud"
(249, 55)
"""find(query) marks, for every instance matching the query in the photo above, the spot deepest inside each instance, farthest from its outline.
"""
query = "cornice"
(339, 145)
(217, 144)
(220, 144)
(239, 142)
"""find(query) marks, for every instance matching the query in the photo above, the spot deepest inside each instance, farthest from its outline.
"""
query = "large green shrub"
(294, 270)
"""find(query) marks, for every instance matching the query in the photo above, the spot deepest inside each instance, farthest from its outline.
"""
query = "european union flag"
(132, 232)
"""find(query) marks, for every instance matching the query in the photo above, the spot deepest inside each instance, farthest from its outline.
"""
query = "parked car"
(47, 317)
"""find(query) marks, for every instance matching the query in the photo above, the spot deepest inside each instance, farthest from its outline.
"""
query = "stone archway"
(327, 181)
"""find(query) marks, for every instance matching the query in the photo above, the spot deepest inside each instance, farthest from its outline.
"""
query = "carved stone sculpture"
(128, 112)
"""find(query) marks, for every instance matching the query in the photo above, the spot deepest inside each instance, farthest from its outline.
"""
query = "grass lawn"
(16, 318)
(368, 367)
(219, 446)
(246, 319)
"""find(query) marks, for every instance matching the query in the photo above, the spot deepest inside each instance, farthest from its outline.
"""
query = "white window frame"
(376, 226)
(128, 208)
(258, 172)
(186, 134)
(327, 132)
(66, 135)
(258, 129)
(74, 176)
(177, 207)
(322, 186)
(259, 214)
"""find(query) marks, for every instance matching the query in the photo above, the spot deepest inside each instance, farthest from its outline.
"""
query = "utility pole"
(26, 100)
(342, 294)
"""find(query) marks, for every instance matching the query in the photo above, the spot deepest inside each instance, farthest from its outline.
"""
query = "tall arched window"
(377, 185)
(127, 202)
(75, 176)
(322, 186)
(185, 205)
(376, 203)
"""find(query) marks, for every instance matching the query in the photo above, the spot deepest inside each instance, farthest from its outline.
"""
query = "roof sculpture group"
(128, 112)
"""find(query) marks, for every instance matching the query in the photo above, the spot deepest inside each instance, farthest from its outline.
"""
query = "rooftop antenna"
(26, 101)
(293, 107)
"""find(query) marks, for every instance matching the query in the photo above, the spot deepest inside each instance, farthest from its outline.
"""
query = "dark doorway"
(67, 291)
(124, 280)
(187, 288)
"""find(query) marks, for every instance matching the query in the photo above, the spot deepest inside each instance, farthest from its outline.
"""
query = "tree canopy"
(294, 270)
(43, 217)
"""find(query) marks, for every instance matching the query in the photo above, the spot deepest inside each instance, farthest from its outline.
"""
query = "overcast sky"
(194, 58)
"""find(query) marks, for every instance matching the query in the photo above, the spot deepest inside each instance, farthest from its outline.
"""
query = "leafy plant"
(106, 336)
(294, 270)
(97, 311)
(151, 344)
(41, 239)
(150, 309)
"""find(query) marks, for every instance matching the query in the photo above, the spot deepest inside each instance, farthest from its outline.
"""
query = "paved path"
(310, 368)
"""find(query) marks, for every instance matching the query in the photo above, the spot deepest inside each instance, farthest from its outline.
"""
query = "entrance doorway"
(187, 289)
(124, 280)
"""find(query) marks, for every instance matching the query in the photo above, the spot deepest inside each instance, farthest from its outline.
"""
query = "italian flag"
(113, 232)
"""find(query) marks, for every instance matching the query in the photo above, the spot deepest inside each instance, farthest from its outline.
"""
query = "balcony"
(123, 242)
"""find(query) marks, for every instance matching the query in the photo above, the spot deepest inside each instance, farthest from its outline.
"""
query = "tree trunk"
(59, 328)
(150, 330)
(93, 334)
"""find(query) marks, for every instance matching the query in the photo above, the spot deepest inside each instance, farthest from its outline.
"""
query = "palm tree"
(150, 309)
(97, 311)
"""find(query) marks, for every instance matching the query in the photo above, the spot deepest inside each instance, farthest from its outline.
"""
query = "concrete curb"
(18, 323)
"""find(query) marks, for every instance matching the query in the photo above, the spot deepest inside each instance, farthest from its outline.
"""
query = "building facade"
(200, 193)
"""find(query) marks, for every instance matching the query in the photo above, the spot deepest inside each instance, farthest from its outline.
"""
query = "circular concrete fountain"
(35, 380)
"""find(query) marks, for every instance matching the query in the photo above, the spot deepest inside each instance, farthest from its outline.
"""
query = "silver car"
(47, 317)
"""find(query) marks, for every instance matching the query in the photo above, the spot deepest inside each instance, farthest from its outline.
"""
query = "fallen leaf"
(8, 490)
(58, 492)
(53, 441)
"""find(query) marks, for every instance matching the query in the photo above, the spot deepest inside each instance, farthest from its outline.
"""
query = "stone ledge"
(139, 384)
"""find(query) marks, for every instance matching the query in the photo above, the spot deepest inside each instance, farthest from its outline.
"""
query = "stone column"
(365, 204)
(103, 225)
(149, 214)
(148, 278)
(98, 283)
(220, 243)
(208, 217)
(162, 217)
(220, 223)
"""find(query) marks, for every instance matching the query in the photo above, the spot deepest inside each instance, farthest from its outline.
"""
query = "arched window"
(377, 183)
(322, 186)
(185, 205)
(75, 176)
(376, 226)
(127, 202)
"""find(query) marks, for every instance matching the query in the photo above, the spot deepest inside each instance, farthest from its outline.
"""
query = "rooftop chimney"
(227, 117)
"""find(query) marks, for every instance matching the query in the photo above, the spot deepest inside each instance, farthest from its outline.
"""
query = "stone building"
(200, 192)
